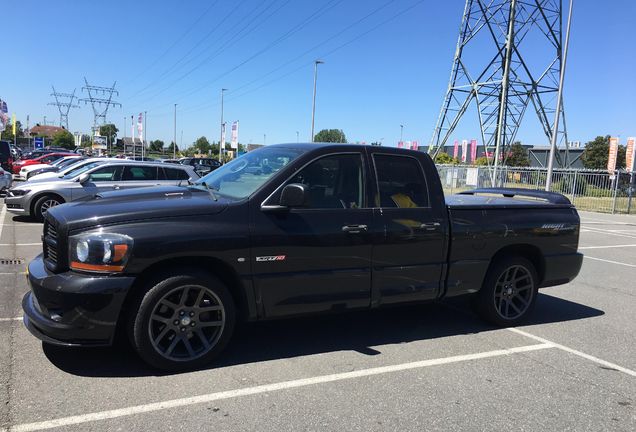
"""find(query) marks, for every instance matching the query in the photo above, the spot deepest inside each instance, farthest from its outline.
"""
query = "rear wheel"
(43, 204)
(183, 322)
(509, 291)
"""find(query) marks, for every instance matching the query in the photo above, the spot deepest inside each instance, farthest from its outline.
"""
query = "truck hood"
(137, 204)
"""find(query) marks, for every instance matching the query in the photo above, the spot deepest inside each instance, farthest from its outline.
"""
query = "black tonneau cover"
(507, 198)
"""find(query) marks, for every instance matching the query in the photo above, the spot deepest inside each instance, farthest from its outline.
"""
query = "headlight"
(18, 192)
(99, 252)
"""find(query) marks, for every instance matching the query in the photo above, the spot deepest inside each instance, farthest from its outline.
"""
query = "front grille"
(50, 245)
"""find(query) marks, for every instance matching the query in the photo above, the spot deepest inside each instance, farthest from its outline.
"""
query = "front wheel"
(43, 204)
(509, 292)
(183, 322)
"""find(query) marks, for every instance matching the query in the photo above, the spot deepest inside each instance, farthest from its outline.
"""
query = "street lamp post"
(221, 143)
(174, 142)
(143, 142)
(313, 105)
(401, 132)
(297, 137)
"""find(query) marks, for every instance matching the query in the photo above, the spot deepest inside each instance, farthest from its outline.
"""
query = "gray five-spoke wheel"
(186, 323)
(513, 292)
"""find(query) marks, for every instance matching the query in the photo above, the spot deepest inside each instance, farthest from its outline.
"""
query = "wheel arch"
(217, 267)
(39, 195)
(530, 252)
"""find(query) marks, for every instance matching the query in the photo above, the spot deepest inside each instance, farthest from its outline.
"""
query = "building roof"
(45, 130)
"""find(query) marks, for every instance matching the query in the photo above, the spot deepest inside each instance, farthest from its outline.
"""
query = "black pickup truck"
(289, 230)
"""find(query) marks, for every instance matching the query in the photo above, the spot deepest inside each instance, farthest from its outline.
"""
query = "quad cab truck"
(289, 230)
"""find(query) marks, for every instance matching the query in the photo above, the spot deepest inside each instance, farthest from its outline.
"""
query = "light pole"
(221, 143)
(124, 139)
(401, 132)
(264, 139)
(297, 137)
(174, 142)
(313, 104)
(132, 134)
(143, 142)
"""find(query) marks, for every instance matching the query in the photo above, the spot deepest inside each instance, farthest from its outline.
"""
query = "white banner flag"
(223, 136)
(234, 139)
(140, 127)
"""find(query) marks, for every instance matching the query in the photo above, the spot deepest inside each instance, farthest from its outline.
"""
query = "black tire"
(158, 322)
(509, 292)
(43, 204)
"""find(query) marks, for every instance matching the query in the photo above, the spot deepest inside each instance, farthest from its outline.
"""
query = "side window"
(176, 174)
(401, 182)
(139, 173)
(105, 174)
(333, 182)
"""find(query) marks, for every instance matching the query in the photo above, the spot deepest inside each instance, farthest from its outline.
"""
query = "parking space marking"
(10, 319)
(21, 244)
(575, 352)
(607, 247)
(3, 212)
(267, 388)
(609, 261)
(606, 232)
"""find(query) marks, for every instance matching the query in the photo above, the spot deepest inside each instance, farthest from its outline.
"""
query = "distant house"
(251, 146)
(44, 130)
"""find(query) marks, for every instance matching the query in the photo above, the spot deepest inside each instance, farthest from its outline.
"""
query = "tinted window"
(175, 174)
(106, 174)
(80, 169)
(333, 182)
(139, 173)
(401, 182)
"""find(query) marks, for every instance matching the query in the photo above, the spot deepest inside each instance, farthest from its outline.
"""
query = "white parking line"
(575, 352)
(607, 247)
(285, 385)
(2, 213)
(606, 232)
(10, 319)
(609, 261)
(21, 244)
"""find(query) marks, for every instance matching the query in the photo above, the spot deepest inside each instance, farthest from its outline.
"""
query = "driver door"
(316, 258)
(102, 179)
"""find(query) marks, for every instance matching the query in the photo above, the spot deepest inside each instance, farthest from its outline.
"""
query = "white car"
(24, 172)
(5, 181)
(48, 176)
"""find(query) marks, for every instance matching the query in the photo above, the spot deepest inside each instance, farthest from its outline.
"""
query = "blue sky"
(388, 69)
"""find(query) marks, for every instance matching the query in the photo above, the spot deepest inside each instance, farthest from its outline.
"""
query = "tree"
(481, 161)
(330, 135)
(156, 146)
(596, 154)
(110, 131)
(64, 139)
(444, 158)
(202, 145)
(7, 133)
(172, 147)
(518, 156)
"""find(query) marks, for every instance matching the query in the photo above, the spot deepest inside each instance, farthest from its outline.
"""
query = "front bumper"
(18, 204)
(561, 269)
(73, 309)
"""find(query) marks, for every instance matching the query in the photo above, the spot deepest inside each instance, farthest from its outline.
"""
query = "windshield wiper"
(211, 190)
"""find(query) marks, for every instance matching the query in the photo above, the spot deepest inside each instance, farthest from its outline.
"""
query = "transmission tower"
(100, 104)
(494, 69)
(63, 107)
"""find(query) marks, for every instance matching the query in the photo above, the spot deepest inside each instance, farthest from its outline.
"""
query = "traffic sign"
(38, 142)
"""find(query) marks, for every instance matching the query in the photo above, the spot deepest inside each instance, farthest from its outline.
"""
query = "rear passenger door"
(172, 176)
(134, 176)
(408, 261)
(102, 179)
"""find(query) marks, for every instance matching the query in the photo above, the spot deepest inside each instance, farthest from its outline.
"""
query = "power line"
(97, 102)
(63, 107)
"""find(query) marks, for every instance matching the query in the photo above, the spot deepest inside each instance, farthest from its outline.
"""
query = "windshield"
(67, 162)
(244, 175)
(80, 169)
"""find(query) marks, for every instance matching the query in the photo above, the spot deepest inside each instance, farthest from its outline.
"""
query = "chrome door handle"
(429, 226)
(116, 187)
(354, 229)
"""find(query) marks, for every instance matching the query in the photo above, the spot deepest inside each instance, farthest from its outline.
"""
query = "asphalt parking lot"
(432, 367)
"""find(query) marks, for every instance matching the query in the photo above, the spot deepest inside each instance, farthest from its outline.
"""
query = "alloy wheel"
(513, 292)
(186, 323)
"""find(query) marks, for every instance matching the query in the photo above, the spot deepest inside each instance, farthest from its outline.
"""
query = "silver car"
(35, 198)
(5, 180)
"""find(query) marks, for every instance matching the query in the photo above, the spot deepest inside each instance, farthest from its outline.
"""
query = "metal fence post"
(574, 186)
(616, 180)
(630, 192)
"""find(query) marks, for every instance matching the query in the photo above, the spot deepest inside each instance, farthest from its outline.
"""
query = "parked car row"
(86, 178)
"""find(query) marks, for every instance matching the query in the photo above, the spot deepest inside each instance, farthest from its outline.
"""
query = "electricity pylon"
(509, 56)
(100, 104)
(63, 107)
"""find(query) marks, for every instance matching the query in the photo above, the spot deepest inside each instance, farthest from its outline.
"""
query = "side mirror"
(293, 195)
(84, 178)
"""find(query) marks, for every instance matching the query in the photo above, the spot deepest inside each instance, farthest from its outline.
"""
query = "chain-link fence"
(591, 190)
